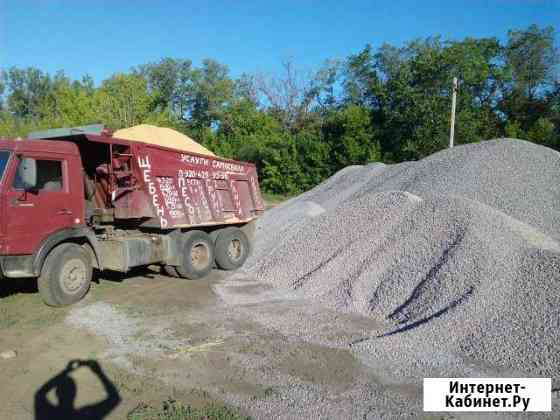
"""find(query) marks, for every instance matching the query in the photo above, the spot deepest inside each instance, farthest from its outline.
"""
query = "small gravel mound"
(457, 252)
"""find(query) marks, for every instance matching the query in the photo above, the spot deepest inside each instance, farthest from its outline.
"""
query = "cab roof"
(40, 146)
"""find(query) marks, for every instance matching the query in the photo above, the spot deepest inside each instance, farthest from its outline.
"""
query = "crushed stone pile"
(162, 136)
(456, 255)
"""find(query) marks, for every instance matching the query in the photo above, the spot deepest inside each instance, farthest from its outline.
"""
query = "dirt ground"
(222, 340)
(184, 343)
(45, 344)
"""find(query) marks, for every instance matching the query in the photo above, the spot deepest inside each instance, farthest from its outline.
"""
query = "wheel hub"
(200, 256)
(73, 275)
(234, 249)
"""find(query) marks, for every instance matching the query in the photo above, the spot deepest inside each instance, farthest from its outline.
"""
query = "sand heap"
(161, 136)
(456, 255)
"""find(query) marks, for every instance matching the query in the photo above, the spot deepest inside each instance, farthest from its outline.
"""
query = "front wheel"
(198, 255)
(66, 275)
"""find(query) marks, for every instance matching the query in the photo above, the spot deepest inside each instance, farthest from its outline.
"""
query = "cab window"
(49, 176)
(4, 156)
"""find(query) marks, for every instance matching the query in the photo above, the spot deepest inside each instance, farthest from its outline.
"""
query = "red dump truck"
(72, 200)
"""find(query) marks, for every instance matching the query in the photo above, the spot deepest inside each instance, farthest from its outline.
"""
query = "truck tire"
(232, 248)
(66, 275)
(198, 255)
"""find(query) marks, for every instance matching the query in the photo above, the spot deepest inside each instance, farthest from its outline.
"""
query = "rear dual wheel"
(232, 248)
(198, 256)
(228, 247)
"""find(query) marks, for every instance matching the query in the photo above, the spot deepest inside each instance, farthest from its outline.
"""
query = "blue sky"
(103, 37)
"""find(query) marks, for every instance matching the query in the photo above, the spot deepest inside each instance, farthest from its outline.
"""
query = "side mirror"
(27, 172)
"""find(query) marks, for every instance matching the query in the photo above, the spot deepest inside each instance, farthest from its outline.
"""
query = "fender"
(61, 236)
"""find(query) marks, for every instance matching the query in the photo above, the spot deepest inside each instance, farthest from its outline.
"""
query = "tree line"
(389, 104)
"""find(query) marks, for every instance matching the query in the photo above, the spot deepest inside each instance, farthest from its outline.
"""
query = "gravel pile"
(455, 255)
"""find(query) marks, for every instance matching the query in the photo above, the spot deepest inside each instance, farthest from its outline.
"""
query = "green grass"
(27, 310)
(132, 384)
(174, 410)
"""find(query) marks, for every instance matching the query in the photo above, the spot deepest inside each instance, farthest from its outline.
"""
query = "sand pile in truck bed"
(162, 136)
(456, 255)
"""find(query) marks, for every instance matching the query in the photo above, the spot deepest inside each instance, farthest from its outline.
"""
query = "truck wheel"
(66, 275)
(171, 271)
(198, 255)
(232, 248)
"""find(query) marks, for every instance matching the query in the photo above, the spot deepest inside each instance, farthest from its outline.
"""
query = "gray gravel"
(456, 256)
(126, 335)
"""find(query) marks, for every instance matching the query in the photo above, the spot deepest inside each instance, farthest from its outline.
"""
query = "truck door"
(34, 215)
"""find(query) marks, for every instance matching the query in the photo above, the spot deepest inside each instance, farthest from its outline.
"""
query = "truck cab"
(41, 193)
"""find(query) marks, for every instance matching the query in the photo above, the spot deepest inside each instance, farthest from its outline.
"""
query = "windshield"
(4, 156)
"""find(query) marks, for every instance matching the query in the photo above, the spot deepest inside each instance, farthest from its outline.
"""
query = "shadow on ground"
(10, 287)
(116, 277)
(66, 390)
(15, 286)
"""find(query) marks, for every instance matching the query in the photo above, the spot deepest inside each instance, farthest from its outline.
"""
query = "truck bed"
(167, 188)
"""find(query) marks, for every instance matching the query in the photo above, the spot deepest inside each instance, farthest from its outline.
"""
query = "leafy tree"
(26, 88)
(250, 134)
(69, 103)
(362, 78)
(169, 83)
(211, 91)
(313, 156)
(351, 136)
(531, 56)
(281, 172)
(245, 89)
(123, 100)
(408, 91)
(2, 89)
(543, 132)
(553, 104)
(293, 96)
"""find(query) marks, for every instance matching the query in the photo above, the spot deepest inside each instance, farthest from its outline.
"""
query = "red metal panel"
(185, 189)
(31, 217)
